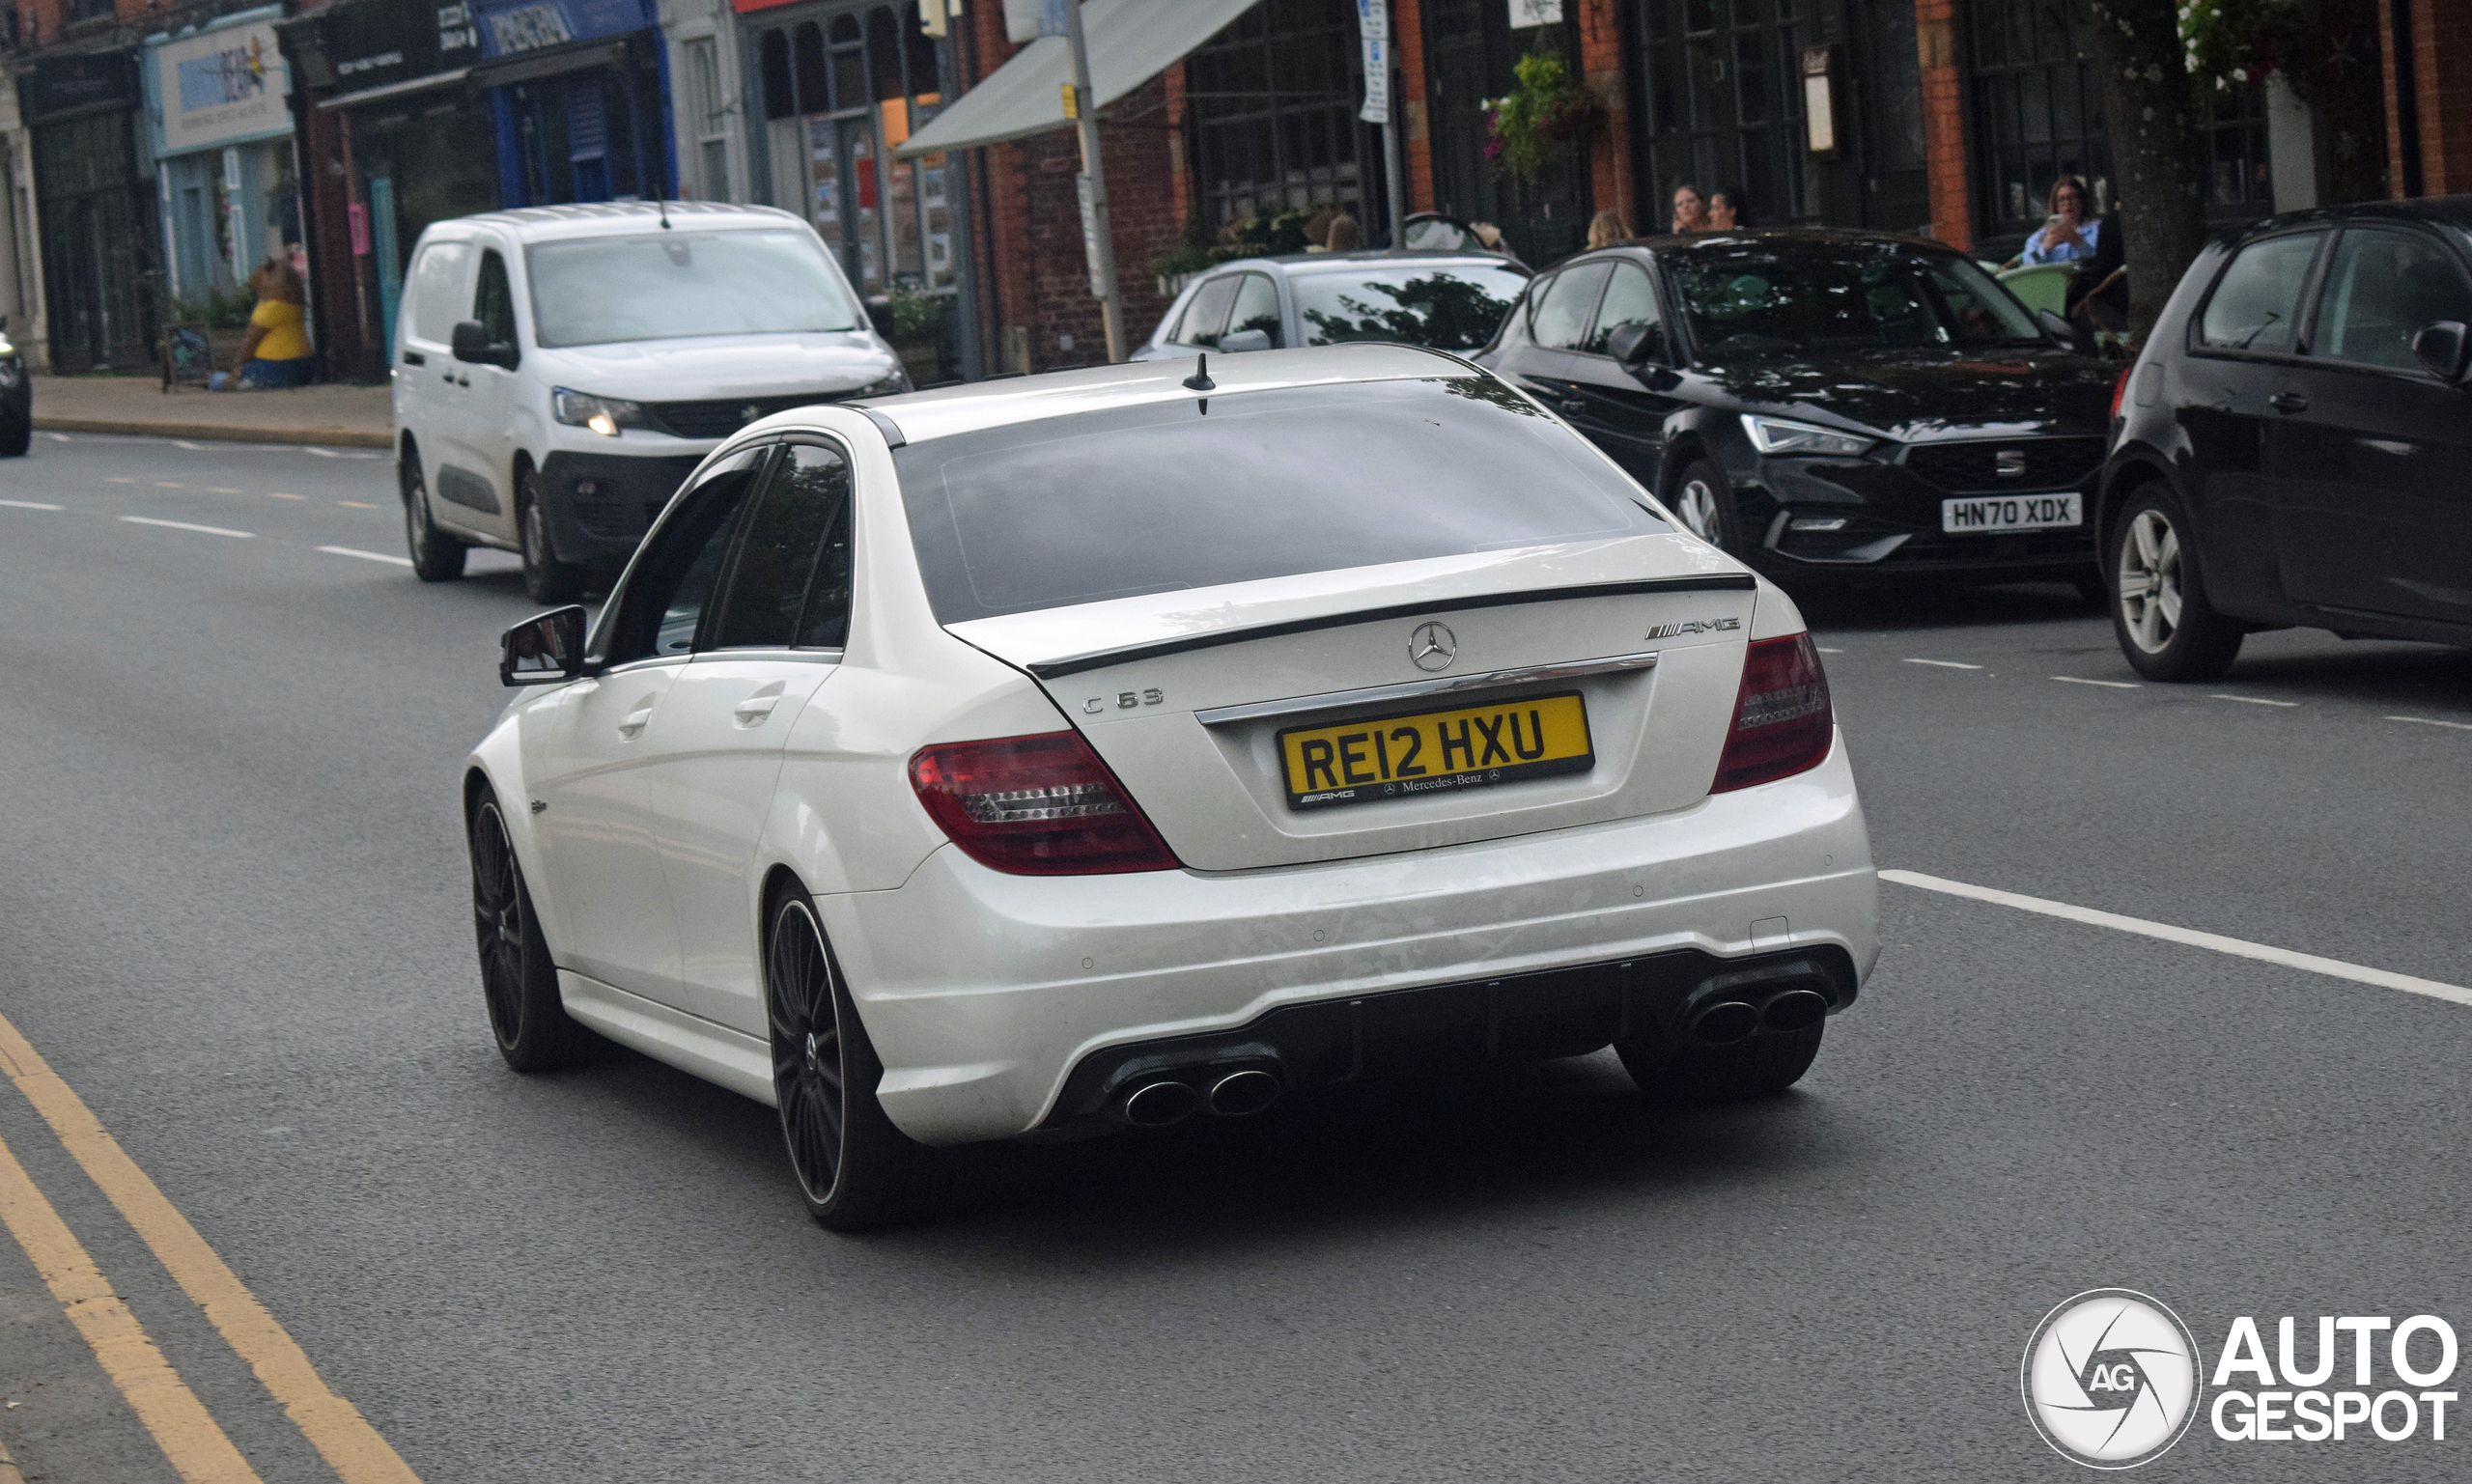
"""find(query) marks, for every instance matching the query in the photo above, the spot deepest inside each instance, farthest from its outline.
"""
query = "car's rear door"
(2371, 455)
(1623, 409)
(585, 748)
(714, 750)
(1559, 312)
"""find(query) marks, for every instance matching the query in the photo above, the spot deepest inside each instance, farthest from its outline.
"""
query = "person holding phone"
(2066, 236)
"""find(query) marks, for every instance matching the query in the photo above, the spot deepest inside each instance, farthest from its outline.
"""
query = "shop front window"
(2039, 112)
(1723, 84)
(1274, 100)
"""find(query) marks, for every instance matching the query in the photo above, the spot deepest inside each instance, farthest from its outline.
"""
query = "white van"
(560, 369)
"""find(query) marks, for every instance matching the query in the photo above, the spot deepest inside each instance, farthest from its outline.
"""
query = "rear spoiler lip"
(1101, 658)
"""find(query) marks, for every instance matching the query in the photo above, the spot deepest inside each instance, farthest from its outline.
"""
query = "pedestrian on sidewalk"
(277, 352)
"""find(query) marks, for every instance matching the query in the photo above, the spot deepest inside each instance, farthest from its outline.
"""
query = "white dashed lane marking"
(1946, 665)
(183, 525)
(27, 505)
(2116, 685)
(2357, 973)
(2250, 700)
(368, 557)
(279, 495)
(2459, 726)
(357, 504)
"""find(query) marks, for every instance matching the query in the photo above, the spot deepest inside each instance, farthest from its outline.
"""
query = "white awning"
(1131, 41)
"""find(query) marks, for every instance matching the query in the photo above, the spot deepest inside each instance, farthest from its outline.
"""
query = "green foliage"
(918, 316)
(1549, 113)
(217, 309)
(2230, 42)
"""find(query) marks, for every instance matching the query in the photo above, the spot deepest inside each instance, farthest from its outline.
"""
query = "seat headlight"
(1778, 435)
(603, 415)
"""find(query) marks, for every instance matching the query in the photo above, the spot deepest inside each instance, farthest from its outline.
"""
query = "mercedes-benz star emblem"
(1432, 647)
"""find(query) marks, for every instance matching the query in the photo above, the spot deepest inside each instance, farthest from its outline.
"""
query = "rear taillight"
(2120, 388)
(1783, 724)
(1041, 805)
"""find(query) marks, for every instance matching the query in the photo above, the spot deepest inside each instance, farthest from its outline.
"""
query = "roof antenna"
(662, 202)
(1199, 381)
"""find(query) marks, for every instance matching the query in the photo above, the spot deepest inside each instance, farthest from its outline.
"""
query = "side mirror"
(2441, 346)
(1636, 344)
(471, 343)
(1236, 342)
(879, 315)
(544, 650)
(2061, 330)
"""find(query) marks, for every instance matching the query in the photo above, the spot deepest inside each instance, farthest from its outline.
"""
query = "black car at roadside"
(16, 398)
(2294, 444)
(1827, 404)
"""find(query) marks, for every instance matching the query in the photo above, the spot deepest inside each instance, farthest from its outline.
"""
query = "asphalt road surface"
(233, 920)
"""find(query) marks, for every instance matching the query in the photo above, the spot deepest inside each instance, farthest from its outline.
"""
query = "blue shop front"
(577, 91)
(227, 183)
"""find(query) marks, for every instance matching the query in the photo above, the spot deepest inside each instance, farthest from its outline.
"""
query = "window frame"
(616, 610)
(2305, 304)
(725, 587)
(2321, 280)
(1279, 305)
(1656, 299)
(1178, 336)
(1587, 317)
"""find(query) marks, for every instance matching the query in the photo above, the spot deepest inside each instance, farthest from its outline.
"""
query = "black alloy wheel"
(855, 1169)
(1673, 1072)
(436, 558)
(1705, 503)
(530, 1022)
(546, 578)
(2165, 627)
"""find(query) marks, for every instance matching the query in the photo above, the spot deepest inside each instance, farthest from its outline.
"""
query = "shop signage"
(512, 29)
(219, 87)
(59, 85)
(378, 44)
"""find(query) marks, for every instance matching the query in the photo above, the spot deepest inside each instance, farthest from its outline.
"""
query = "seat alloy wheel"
(855, 1169)
(1703, 502)
(2167, 628)
(519, 983)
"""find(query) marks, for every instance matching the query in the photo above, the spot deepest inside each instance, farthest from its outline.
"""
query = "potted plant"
(1548, 114)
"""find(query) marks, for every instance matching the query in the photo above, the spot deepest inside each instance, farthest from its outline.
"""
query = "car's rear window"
(1193, 493)
(1455, 308)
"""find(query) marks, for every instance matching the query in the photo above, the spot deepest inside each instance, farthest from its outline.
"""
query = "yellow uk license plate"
(1436, 752)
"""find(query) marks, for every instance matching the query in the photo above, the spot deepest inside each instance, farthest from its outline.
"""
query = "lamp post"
(1098, 241)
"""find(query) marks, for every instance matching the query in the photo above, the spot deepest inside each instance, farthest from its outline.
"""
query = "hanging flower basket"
(1549, 115)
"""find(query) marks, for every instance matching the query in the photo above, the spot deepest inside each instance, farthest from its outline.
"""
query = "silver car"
(1446, 301)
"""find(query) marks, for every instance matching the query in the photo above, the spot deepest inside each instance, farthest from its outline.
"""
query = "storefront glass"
(226, 187)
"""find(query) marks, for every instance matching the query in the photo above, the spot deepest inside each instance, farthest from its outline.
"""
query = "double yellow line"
(180, 1423)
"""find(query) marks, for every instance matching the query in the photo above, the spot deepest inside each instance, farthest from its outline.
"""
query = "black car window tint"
(2381, 289)
(664, 595)
(1560, 319)
(776, 557)
(2258, 299)
(493, 300)
(1973, 307)
(823, 476)
(1629, 299)
(1257, 309)
(1207, 315)
(1455, 308)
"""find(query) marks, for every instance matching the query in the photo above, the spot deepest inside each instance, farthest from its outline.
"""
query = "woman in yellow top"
(277, 350)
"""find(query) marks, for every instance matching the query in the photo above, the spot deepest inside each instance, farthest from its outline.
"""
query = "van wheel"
(546, 577)
(2165, 627)
(436, 558)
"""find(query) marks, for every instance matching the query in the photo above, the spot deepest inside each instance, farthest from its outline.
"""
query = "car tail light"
(2120, 388)
(1041, 805)
(1783, 724)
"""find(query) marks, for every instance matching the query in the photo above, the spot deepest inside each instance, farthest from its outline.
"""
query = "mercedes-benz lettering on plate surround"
(1055, 755)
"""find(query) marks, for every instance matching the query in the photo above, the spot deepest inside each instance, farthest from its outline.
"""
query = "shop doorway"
(1469, 52)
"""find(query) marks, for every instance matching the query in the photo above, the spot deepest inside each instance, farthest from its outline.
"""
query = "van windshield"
(674, 284)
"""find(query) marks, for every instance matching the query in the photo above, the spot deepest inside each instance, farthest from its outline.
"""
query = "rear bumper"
(984, 991)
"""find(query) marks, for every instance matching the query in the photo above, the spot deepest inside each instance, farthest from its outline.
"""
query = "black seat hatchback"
(2294, 444)
(1827, 404)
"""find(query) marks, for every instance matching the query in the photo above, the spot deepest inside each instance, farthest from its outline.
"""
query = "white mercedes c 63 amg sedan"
(1122, 745)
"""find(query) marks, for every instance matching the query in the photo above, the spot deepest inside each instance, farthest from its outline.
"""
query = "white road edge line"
(2116, 685)
(39, 505)
(368, 557)
(2335, 969)
(2250, 700)
(2461, 726)
(183, 525)
(1946, 665)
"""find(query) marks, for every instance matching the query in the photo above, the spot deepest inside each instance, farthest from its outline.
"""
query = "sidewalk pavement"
(343, 416)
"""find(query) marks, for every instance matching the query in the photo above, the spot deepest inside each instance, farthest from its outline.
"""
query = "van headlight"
(884, 386)
(603, 415)
(1778, 435)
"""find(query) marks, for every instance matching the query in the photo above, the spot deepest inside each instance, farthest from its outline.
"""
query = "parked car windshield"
(674, 284)
(1750, 296)
(1452, 308)
(1187, 494)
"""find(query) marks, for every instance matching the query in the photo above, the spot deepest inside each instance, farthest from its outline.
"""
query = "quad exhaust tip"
(1724, 1022)
(1157, 1105)
(1239, 1094)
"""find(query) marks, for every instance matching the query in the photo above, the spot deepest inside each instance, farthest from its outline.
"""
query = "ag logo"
(2110, 1379)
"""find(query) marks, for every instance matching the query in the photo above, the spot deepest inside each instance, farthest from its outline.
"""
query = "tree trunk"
(2146, 113)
